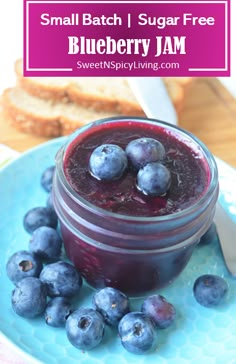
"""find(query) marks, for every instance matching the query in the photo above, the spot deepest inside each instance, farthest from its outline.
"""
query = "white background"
(11, 42)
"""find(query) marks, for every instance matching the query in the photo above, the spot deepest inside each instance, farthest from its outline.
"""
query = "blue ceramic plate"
(199, 335)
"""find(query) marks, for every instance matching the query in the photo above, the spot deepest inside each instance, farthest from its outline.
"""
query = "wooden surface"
(209, 112)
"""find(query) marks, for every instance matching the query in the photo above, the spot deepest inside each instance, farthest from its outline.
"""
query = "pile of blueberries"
(45, 284)
(146, 156)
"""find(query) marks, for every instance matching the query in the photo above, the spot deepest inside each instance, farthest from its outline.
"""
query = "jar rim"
(202, 200)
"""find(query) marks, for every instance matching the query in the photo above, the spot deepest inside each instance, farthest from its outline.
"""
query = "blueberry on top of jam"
(153, 179)
(144, 150)
(108, 162)
(184, 161)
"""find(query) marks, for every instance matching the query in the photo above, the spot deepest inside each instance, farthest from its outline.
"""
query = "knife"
(157, 104)
(226, 230)
(153, 97)
(230, 84)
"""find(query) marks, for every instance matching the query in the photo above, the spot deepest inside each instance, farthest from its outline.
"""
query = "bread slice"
(101, 93)
(55, 106)
(46, 117)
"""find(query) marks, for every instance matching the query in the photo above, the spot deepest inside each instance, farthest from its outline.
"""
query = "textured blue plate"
(199, 335)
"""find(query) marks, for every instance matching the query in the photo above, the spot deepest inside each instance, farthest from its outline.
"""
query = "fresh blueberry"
(137, 332)
(209, 290)
(29, 298)
(47, 178)
(39, 216)
(23, 264)
(144, 150)
(85, 328)
(61, 279)
(108, 162)
(57, 311)
(112, 304)
(161, 311)
(45, 243)
(153, 179)
(209, 236)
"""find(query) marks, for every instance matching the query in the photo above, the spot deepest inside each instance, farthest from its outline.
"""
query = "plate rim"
(31, 150)
(3, 337)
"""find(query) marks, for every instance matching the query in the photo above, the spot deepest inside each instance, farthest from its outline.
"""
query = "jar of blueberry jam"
(116, 234)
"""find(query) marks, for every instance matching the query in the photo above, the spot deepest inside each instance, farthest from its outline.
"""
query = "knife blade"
(153, 97)
(226, 230)
(230, 84)
(156, 104)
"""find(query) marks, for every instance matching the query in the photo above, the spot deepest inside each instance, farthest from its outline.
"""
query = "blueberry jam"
(115, 233)
(189, 174)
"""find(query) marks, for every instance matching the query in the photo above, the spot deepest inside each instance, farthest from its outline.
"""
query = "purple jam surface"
(189, 171)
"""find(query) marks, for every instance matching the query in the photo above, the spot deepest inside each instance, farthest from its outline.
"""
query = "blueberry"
(61, 279)
(45, 243)
(112, 304)
(161, 311)
(57, 311)
(23, 264)
(29, 298)
(136, 332)
(39, 216)
(144, 150)
(85, 328)
(209, 290)
(209, 236)
(153, 179)
(47, 178)
(108, 162)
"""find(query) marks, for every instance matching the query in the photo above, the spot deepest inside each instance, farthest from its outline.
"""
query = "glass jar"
(135, 254)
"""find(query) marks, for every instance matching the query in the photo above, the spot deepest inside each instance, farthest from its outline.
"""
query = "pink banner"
(127, 38)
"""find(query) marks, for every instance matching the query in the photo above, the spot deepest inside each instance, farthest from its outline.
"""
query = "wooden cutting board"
(209, 112)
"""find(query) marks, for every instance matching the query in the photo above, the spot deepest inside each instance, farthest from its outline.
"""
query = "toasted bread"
(45, 117)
